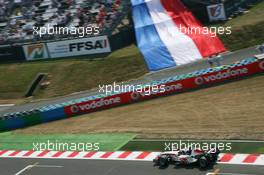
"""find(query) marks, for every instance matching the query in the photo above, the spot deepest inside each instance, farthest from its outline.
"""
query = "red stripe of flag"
(251, 158)
(58, 154)
(124, 155)
(90, 154)
(3, 152)
(28, 153)
(226, 158)
(43, 153)
(207, 43)
(14, 153)
(73, 154)
(106, 155)
(143, 155)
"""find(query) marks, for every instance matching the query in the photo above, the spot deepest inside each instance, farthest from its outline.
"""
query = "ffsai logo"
(89, 45)
(76, 47)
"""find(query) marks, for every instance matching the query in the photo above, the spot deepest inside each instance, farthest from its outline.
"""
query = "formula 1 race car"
(203, 159)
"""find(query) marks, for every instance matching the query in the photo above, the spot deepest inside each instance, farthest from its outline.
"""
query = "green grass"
(71, 75)
(247, 29)
(237, 147)
(254, 16)
(107, 142)
(246, 36)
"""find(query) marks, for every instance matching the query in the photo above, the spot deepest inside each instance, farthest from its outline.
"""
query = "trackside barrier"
(32, 119)
(2, 125)
(176, 84)
(52, 115)
(14, 123)
(180, 83)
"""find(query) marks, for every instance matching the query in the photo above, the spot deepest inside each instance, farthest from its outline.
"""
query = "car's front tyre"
(163, 162)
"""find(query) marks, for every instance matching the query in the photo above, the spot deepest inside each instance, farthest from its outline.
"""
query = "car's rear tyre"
(203, 162)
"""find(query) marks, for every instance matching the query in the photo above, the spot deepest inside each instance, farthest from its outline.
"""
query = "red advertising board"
(168, 88)
(97, 104)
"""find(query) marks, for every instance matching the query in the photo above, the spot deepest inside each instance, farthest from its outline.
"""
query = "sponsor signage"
(216, 12)
(35, 51)
(97, 104)
(221, 76)
(168, 88)
(162, 90)
(84, 46)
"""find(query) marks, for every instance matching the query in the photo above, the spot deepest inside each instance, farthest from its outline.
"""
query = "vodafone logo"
(74, 109)
(226, 74)
(261, 65)
(222, 75)
(96, 104)
(199, 80)
(161, 90)
(135, 96)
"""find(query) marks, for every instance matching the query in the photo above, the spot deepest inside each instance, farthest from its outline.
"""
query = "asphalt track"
(103, 167)
(229, 57)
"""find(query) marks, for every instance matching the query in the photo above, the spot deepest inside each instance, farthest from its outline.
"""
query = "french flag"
(165, 35)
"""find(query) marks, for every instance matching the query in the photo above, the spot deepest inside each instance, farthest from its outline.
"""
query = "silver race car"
(203, 159)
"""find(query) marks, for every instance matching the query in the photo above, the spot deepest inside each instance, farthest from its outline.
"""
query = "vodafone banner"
(228, 74)
(171, 87)
(98, 104)
(84, 46)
